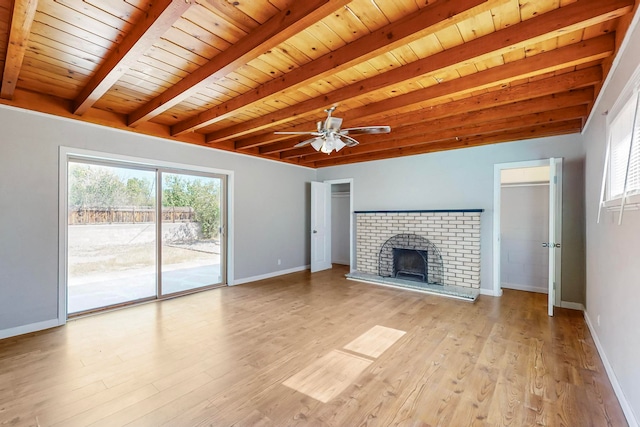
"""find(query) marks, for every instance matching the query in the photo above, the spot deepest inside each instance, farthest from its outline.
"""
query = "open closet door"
(320, 226)
(555, 229)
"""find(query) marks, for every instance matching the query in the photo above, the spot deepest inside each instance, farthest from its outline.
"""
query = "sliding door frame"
(223, 234)
(156, 243)
(67, 154)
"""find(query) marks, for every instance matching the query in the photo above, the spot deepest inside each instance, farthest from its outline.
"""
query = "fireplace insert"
(410, 264)
(411, 257)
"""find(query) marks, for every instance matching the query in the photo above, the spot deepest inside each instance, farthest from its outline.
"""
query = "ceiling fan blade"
(367, 130)
(349, 142)
(305, 142)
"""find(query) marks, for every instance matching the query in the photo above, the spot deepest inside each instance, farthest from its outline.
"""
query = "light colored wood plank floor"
(328, 376)
(220, 357)
(375, 341)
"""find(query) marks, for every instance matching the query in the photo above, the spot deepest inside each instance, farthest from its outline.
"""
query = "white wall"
(463, 179)
(524, 226)
(613, 252)
(271, 206)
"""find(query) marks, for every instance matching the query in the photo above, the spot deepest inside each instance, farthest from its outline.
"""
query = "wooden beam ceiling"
(509, 103)
(446, 74)
(279, 28)
(420, 23)
(561, 20)
(489, 110)
(554, 60)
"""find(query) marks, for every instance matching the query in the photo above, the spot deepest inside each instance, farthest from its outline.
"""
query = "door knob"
(315, 231)
(551, 245)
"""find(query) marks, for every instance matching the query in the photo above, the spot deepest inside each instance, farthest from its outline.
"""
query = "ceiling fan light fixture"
(328, 145)
(331, 142)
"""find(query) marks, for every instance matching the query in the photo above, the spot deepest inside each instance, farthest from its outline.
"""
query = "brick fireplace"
(455, 235)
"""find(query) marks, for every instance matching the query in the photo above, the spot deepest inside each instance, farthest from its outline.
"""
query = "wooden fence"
(129, 215)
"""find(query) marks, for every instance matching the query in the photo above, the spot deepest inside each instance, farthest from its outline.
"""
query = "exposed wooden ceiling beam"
(436, 135)
(510, 102)
(567, 18)
(564, 57)
(162, 15)
(427, 20)
(22, 17)
(550, 129)
(283, 25)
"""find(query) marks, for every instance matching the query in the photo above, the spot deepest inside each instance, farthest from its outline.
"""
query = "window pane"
(633, 181)
(191, 244)
(621, 133)
(111, 257)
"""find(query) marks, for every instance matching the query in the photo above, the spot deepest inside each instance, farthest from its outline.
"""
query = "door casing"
(555, 225)
(324, 188)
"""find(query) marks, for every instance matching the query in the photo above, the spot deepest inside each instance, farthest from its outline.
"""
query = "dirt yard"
(115, 248)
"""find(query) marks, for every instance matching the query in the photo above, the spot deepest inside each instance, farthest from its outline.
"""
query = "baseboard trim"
(27, 329)
(525, 288)
(269, 275)
(626, 408)
(490, 292)
(572, 305)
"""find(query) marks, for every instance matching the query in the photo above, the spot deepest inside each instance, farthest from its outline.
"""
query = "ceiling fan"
(330, 137)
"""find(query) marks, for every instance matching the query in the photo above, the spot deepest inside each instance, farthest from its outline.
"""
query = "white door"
(555, 204)
(320, 226)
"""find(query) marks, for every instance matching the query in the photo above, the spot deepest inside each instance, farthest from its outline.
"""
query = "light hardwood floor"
(220, 358)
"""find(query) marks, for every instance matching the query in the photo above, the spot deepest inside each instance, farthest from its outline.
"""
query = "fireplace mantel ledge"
(421, 211)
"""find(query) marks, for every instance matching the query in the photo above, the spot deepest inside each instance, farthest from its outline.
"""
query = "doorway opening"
(526, 242)
(340, 223)
(332, 231)
(524, 228)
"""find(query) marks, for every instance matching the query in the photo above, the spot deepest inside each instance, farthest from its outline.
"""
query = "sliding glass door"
(192, 238)
(111, 235)
(140, 233)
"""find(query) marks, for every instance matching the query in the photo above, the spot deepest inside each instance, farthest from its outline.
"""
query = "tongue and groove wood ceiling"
(227, 74)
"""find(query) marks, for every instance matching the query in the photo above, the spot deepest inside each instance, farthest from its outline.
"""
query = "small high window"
(624, 151)
(621, 175)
